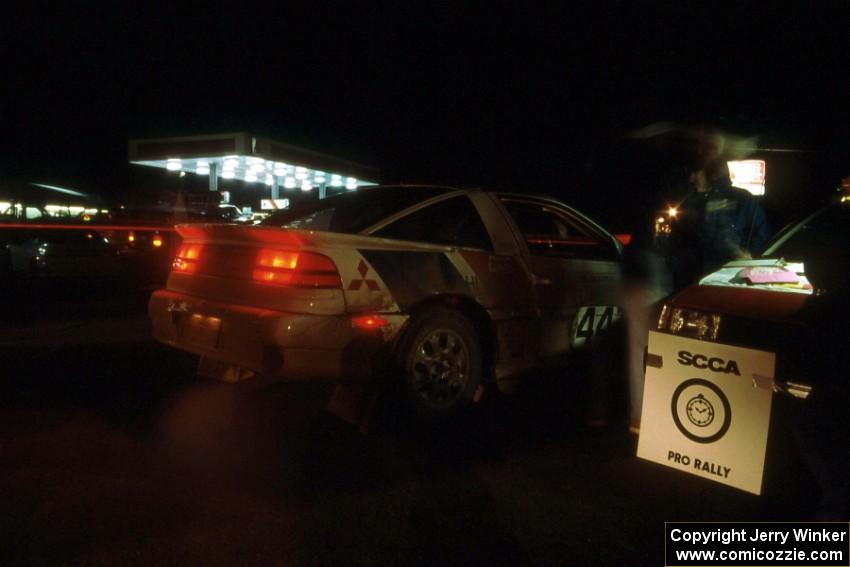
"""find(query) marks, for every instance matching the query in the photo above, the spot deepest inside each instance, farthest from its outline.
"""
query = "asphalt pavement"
(114, 453)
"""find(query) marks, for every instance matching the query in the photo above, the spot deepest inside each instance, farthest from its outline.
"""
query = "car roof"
(458, 188)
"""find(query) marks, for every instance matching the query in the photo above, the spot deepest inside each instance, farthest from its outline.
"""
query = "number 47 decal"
(592, 321)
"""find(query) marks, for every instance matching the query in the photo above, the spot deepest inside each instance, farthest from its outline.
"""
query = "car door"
(483, 270)
(576, 268)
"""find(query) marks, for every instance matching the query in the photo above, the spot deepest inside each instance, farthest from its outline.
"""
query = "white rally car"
(452, 289)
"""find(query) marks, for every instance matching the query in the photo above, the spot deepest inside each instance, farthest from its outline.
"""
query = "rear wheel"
(440, 359)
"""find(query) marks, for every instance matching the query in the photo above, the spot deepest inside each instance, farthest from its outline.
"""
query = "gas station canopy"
(252, 159)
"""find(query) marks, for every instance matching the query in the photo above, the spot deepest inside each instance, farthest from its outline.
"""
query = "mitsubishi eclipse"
(441, 290)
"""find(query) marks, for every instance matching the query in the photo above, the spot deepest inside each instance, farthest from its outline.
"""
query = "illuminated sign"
(748, 174)
(273, 204)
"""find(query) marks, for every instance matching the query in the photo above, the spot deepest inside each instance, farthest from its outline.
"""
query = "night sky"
(529, 98)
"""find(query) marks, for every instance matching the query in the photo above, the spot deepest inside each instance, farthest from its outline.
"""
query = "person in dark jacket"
(716, 223)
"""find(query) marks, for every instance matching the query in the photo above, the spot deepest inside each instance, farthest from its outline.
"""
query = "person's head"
(709, 149)
(708, 166)
(697, 180)
(717, 172)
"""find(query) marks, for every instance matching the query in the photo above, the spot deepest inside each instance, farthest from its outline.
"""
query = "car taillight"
(186, 261)
(295, 269)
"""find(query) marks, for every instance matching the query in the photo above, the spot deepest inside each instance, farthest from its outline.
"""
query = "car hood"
(730, 291)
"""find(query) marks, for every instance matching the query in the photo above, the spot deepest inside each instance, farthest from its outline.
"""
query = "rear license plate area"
(201, 330)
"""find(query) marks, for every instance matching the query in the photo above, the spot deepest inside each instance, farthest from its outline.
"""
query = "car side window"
(550, 232)
(453, 222)
(33, 213)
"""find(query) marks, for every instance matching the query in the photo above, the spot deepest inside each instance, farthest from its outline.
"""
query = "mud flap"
(356, 403)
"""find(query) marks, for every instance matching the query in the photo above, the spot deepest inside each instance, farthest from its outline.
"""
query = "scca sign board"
(706, 409)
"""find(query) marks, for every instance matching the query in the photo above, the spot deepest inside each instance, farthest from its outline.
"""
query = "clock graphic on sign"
(700, 411)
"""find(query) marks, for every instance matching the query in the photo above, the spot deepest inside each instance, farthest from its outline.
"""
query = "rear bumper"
(292, 346)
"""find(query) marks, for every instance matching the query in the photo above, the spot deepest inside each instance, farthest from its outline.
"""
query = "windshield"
(351, 212)
(807, 238)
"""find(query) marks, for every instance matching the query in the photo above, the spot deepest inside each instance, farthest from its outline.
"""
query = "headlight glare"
(663, 316)
(696, 324)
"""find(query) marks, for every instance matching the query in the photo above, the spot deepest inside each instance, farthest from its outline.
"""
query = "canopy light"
(748, 174)
(252, 169)
(246, 157)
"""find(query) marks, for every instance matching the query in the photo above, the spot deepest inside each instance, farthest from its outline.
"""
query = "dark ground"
(113, 453)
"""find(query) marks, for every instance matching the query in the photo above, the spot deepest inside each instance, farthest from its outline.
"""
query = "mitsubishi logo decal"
(358, 283)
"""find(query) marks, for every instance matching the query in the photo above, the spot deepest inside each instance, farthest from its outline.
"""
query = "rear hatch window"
(351, 212)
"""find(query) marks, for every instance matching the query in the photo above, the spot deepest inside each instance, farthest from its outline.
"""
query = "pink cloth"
(762, 275)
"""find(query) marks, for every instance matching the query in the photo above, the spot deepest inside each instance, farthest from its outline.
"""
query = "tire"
(439, 360)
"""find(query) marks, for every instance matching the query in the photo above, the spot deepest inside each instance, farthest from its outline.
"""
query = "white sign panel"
(706, 409)
(273, 204)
